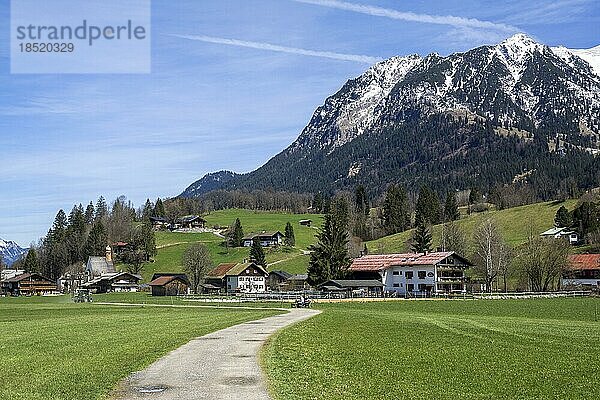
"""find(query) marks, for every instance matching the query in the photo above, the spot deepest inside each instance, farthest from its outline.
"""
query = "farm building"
(159, 223)
(28, 284)
(266, 239)
(284, 281)
(114, 282)
(305, 222)
(583, 271)
(412, 273)
(562, 233)
(366, 286)
(97, 266)
(190, 222)
(239, 277)
(169, 284)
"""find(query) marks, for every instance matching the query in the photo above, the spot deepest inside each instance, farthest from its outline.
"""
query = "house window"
(396, 285)
(396, 273)
(422, 274)
(408, 274)
(410, 287)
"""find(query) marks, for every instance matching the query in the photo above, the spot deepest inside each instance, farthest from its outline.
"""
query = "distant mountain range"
(10, 252)
(482, 118)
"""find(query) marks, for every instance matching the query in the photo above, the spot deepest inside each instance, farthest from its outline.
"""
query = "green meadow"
(486, 349)
(54, 349)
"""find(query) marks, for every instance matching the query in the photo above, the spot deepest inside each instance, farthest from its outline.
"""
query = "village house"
(114, 282)
(97, 266)
(562, 233)
(169, 284)
(190, 222)
(28, 284)
(266, 239)
(239, 277)
(414, 273)
(583, 271)
(284, 281)
(306, 222)
(160, 223)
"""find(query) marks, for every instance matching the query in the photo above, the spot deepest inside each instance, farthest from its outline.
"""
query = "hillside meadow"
(484, 349)
(54, 349)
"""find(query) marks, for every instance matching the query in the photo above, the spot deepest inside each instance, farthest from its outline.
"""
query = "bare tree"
(489, 252)
(197, 263)
(543, 261)
(454, 238)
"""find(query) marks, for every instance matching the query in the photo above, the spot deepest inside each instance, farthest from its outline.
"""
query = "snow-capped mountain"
(10, 251)
(478, 117)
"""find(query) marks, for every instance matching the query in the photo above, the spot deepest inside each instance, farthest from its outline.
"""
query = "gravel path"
(221, 365)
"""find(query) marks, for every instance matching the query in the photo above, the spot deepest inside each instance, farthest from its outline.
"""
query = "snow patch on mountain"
(10, 251)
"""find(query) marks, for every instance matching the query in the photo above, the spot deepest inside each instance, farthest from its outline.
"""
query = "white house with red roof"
(582, 270)
(414, 273)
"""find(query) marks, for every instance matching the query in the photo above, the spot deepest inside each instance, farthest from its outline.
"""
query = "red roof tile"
(163, 280)
(380, 262)
(221, 270)
(580, 262)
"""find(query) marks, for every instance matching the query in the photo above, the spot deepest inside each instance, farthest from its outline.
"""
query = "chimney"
(108, 254)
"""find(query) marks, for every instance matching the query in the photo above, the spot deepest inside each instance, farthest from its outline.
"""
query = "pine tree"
(329, 256)
(57, 254)
(257, 254)
(236, 233)
(31, 261)
(75, 235)
(421, 238)
(159, 209)
(428, 206)
(563, 218)
(451, 212)
(147, 211)
(97, 240)
(361, 200)
(396, 213)
(101, 209)
(317, 203)
(89, 213)
(290, 239)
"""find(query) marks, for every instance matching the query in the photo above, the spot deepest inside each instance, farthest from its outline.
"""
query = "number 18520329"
(47, 47)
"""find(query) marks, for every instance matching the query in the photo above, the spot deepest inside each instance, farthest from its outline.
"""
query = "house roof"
(22, 277)
(221, 270)
(100, 265)
(111, 277)
(159, 274)
(239, 268)
(262, 235)
(166, 279)
(305, 220)
(158, 219)
(380, 262)
(555, 231)
(120, 244)
(353, 283)
(190, 218)
(299, 277)
(282, 274)
(580, 262)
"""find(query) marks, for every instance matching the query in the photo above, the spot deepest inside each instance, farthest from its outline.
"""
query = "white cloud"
(451, 20)
(283, 49)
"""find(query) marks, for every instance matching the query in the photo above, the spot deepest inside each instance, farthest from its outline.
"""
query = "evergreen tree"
(31, 261)
(451, 212)
(57, 254)
(475, 196)
(396, 213)
(421, 238)
(361, 200)
(340, 211)
(101, 209)
(89, 213)
(147, 211)
(318, 203)
(75, 235)
(97, 240)
(257, 254)
(329, 256)
(290, 239)
(236, 233)
(159, 208)
(427, 207)
(563, 218)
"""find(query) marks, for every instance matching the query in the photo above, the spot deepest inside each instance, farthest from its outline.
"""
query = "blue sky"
(233, 82)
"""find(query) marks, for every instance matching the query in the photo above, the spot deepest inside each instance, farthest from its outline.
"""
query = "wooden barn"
(169, 284)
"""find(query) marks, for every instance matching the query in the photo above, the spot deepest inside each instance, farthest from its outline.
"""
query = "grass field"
(514, 223)
(53, 349)
(489, 349)
(172, 245)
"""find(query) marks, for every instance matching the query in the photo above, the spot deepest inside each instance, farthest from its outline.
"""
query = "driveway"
(221, 365)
